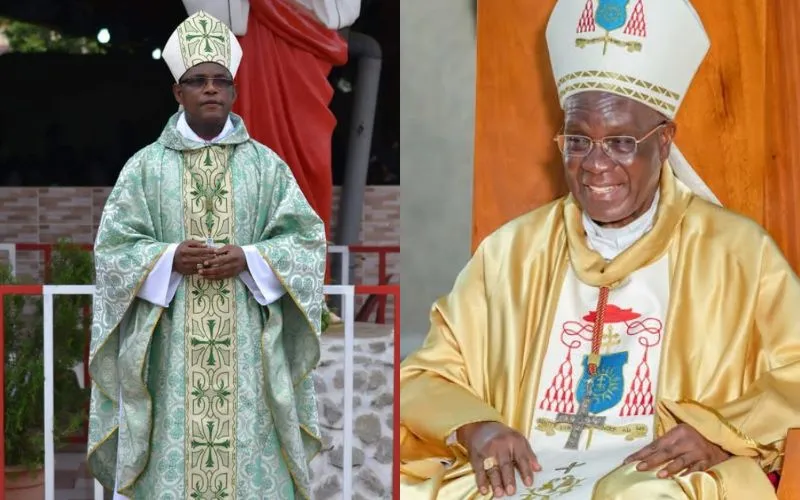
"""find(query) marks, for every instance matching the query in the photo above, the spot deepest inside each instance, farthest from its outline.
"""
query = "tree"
(29, 38)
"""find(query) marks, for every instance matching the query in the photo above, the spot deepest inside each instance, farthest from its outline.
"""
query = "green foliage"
(328, 315)
(24, 363)
(30, 38)
(326, 318)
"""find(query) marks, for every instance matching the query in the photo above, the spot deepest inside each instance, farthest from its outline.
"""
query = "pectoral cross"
(209, 205)
(580, 422)
(211, 243)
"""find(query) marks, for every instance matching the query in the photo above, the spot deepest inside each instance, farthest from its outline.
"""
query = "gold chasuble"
(713, 342)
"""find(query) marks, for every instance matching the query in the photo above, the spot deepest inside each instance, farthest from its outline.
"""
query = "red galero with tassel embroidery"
(597, 390)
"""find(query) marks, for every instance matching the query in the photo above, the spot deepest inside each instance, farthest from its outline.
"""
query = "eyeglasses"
(617, 147)
(200, 82)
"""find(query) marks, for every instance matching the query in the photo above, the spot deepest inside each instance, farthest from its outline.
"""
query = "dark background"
(73, 120)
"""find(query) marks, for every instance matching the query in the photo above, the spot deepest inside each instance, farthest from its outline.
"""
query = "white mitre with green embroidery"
(199, 39)
(646, 50)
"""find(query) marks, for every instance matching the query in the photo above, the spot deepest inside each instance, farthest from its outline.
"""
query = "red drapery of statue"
(283, 92)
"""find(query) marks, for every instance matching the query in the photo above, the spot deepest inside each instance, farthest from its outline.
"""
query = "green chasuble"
(217, 398)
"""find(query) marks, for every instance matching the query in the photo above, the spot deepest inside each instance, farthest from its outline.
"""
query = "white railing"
(48, 292)
(348, 316)
(344, 263)
(344, 250)
(347, 292)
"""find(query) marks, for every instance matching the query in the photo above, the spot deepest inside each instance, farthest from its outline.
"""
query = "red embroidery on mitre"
(586, 22)
(636, 23)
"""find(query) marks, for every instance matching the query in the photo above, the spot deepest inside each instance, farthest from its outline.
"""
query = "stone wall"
(372, 426)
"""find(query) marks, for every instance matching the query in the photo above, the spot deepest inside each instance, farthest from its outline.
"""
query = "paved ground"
(73, 481)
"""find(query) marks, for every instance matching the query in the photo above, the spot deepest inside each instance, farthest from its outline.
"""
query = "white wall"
(437, 101)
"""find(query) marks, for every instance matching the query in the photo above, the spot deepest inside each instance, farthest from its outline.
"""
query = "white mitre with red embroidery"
(201, 38)
(646, 50)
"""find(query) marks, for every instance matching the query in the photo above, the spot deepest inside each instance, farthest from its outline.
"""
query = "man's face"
(612, 186)
(206, 93)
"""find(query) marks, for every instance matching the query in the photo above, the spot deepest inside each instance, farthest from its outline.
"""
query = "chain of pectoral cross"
(583, 420)
(597, 331)
(209, 195)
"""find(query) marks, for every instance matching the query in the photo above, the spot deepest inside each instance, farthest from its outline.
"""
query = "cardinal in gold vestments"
(636, 338)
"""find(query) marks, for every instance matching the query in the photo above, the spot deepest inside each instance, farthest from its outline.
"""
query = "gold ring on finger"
(489, 463)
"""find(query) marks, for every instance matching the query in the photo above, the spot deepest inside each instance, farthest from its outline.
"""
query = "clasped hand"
(496, 451)
(195, 257)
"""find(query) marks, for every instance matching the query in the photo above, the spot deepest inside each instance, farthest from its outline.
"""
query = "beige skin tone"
(207, 109)
(635, 182)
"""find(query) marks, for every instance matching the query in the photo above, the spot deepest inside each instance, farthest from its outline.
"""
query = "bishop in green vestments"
(207, 311)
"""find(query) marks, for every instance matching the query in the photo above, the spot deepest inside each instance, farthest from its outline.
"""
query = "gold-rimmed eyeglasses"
(617, 147)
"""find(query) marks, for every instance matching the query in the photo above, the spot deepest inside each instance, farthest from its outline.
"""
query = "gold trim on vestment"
(595, 75)
(124, 490)
(138, 287)
(741, 435)
(210, 342)
(633, 93)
